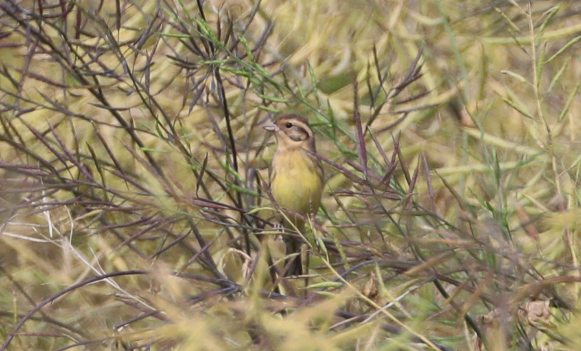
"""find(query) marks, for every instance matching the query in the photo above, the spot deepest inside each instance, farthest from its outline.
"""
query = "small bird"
(296, 177)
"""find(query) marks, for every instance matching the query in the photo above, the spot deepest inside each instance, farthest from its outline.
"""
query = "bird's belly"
(296, 185)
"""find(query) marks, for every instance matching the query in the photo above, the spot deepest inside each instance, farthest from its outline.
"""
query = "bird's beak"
(271, 127)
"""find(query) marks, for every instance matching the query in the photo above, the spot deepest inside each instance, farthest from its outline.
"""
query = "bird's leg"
(278, 227)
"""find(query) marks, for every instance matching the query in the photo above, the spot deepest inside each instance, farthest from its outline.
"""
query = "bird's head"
(292, 132)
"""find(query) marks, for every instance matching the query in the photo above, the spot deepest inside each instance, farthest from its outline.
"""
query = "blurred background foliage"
(134, 202)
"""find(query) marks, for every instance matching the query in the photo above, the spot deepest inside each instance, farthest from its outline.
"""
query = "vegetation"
(134, 202)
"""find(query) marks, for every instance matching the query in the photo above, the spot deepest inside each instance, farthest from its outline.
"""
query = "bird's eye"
(289, 124)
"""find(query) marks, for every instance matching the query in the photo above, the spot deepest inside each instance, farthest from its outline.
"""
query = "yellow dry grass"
(134, 210)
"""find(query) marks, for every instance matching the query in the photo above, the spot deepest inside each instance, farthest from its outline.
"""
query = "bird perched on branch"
(296, 178)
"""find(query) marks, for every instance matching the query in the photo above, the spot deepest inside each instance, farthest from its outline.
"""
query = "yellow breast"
(296, 182)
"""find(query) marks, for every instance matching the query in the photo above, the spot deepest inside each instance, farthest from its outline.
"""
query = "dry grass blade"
(132, 153)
